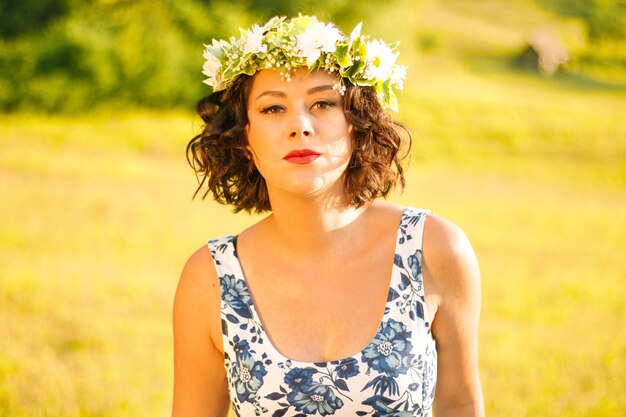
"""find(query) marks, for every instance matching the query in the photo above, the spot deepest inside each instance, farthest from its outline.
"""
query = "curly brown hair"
(223, 165)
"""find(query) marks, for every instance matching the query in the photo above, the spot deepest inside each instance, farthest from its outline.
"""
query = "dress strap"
(224, 253)
(238, 313)
(408, 263)
(412, 229)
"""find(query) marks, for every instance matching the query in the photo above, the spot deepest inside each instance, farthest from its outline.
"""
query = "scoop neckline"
(269, 344)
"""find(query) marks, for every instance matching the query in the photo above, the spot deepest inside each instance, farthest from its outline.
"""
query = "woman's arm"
(454, 278)
(200, 388)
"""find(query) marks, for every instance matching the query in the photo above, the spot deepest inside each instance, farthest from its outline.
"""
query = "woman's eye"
(324, 105)
(272, 110)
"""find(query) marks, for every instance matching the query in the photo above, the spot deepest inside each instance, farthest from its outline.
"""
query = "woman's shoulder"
(201, 270)
(198, 279)
(199, 265)
(443, 237)
(449, 259)
(198, 292)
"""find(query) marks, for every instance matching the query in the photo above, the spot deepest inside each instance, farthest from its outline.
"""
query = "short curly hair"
(223, 166)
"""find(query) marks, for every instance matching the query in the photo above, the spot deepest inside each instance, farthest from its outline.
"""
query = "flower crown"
(285, 44)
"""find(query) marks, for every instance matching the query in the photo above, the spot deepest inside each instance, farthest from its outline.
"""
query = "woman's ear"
(249, 155)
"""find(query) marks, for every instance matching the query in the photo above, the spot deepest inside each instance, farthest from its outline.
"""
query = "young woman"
(336, 303)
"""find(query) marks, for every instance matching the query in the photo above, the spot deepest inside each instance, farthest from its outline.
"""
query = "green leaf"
(216, 52)
(357, 46)
(343, 57)
(354, 68)
(229, 72)
(249, 70)
(362, 81)
(389, 97)
(301, 23)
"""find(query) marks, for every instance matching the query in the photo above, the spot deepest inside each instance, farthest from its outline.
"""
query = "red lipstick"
(301, 156)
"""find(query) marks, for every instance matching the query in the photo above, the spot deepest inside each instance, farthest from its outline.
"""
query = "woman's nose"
(302, 126)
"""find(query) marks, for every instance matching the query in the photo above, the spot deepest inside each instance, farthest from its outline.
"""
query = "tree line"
(69, 55)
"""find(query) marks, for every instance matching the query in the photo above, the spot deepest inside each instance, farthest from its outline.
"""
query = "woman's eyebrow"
(282, 94)
(271, 93)
(320, 88)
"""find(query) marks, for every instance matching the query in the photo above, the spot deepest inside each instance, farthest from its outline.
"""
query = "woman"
(337, 303)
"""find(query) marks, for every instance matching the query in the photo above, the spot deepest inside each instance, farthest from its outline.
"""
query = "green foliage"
(605, 19)
(324, 9)
(20, 17)
(145, 53)
(603, 57)
(69, 55)
(56, 57)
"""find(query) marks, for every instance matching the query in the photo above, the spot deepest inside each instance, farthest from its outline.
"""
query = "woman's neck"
(308, 224)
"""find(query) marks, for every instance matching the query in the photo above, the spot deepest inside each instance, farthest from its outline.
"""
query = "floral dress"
(393, 376)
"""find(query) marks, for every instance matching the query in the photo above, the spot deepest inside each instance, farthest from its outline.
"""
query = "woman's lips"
(303, 156)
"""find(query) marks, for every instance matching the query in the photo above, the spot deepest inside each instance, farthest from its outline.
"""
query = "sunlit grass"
(535, 173)
(95, 225)
(97, 220)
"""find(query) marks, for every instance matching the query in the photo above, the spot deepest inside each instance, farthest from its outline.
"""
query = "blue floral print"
(300, 379)
(316, 390)
(241, 347)
(390, 351)
(393, 376)
(382, 409)
(347, 368)
(412, 281)
(248, 376)
(318, 399)
(235, 293)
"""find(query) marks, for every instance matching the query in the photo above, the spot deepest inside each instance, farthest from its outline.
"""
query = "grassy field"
(97, 220)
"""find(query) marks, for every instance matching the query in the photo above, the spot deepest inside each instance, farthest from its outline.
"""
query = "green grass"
(96, 221)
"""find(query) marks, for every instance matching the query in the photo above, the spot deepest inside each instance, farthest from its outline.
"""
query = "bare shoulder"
(198, 275)
(200, 387)
(452, 275)
(442, 237)
(449, 260)
(197, 296)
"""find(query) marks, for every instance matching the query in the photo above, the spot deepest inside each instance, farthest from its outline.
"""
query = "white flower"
(398, 74)
(211, 65)
(254, 41)
(380, 61)
(211, 69)
(317, 39)
(285, 44)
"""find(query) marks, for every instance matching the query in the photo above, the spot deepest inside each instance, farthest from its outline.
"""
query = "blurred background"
(517, 110)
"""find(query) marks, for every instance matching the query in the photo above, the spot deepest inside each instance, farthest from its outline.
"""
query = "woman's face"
(297, 132)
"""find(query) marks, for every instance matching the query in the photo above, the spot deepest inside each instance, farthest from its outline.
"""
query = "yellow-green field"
(96, 221)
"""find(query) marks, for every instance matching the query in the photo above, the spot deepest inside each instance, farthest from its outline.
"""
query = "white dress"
(393, 376)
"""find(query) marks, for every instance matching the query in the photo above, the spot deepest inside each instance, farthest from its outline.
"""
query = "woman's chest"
(358, 349)
(320, 312)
